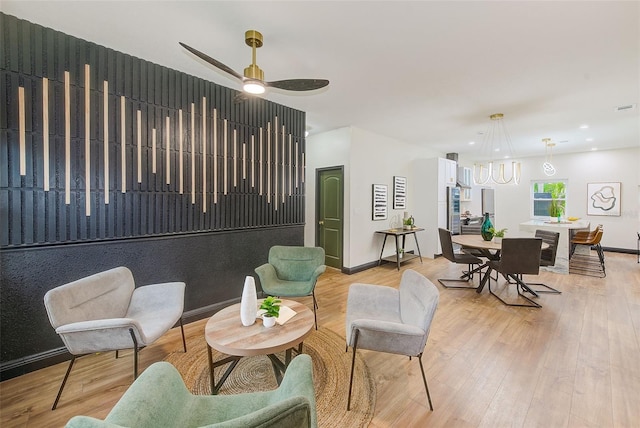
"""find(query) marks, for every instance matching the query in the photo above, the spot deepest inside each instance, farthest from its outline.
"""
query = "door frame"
(340, 169)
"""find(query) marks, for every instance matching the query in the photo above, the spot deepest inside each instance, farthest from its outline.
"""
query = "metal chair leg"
(424, 379)
(135, 354)
(64, 381)
(353, 364)
(315, 306)
(184, 341)
(464, 279)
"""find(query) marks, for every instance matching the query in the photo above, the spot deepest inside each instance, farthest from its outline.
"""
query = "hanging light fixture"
(547, 166)
(496, 144)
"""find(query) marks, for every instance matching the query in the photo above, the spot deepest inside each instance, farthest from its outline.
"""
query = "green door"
(329, 214)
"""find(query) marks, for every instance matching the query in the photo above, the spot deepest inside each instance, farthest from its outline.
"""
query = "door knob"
(321, 222)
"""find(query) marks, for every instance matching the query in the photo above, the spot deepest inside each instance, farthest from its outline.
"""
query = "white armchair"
(105, 312)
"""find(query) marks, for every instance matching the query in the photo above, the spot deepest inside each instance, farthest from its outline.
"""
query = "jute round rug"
(331, 370)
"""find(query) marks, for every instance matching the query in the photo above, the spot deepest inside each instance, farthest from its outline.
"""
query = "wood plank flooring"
(573, 363)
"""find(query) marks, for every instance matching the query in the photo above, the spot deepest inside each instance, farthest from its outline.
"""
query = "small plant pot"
(497, 239)
(268, 321)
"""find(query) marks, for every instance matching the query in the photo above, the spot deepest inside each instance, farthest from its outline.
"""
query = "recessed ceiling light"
(471, 143)
(589, 139)
(593, 149)
(584, 126)
(497, 150)
(563, 141)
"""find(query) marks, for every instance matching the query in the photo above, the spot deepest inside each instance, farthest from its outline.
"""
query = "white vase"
(497, 240)
(249, 302)
(268, 321)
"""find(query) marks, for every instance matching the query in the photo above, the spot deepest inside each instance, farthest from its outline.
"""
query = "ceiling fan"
(253, 80)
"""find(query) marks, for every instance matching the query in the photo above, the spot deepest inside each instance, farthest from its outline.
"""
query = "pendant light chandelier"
(547, 166)
(496, 146)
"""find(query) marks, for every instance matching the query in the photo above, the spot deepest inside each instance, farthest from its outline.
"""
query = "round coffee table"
(224, 332)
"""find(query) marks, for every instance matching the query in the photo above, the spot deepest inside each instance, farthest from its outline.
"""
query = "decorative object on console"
(485, 229)
(399, 193)
(249, 302)
(496, 140)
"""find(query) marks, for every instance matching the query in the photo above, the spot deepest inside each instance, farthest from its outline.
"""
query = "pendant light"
(496, 147)
(547, 166)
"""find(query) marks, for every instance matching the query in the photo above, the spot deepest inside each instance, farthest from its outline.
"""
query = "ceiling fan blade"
(212, 61)
(298, 84)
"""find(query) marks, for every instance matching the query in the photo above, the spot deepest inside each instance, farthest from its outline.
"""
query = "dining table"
(487, 249)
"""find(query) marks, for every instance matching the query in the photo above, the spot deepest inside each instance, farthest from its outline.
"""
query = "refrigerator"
(453, 210)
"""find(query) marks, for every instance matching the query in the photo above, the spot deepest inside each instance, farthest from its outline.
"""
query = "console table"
(397, 233)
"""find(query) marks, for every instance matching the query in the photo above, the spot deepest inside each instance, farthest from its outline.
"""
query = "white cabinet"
(467, 179)
(430, 178)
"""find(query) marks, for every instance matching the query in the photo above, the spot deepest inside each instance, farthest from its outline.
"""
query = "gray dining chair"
(547, 257)
(518, 257)
(464, 258)
(396, 321)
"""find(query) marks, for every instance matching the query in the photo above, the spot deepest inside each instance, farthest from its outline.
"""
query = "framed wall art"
(379, 207)
(399, 193)
(603, 199)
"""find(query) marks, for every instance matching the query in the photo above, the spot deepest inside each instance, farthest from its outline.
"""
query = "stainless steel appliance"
(453, 210)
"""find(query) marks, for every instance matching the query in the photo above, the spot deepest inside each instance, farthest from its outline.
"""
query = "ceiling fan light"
(253, 87)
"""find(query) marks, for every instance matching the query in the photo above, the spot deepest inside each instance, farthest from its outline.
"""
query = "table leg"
(417, 246)
(484, 280)
(398, 252)
(384, 242)
(234, 360)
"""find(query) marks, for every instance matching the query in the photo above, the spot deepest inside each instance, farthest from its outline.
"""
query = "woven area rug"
(331, 369)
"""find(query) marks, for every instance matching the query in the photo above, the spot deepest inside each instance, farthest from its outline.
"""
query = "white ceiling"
(423, 72)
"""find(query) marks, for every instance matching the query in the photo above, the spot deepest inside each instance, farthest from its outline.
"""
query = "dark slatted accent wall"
(68, 210)
(142, 99)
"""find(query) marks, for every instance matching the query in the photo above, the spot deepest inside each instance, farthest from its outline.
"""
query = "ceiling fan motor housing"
(254, 72)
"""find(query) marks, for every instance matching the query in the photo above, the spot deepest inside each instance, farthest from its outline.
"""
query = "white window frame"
(532, 197)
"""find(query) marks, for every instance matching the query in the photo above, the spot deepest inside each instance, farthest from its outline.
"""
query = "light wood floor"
(573, 363)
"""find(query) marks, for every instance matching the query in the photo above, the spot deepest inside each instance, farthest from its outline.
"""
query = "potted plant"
(271, 307)
(498, 234)
(401, 252)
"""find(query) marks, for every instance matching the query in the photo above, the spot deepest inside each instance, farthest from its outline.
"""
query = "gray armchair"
(292, 272)
(105, 312)
(391, 320)
(159, 398)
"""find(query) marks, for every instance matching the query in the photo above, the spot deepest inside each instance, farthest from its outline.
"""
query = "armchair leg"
(315, 306)
(353, 364)
(424, 379)
(184, 341)
(135, 354)
(64, 381)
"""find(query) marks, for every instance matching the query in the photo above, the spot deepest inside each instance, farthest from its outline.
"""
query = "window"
(548, 198)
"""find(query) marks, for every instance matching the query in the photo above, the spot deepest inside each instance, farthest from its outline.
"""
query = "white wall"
(513, 202)
(368, 159)
(374, 159)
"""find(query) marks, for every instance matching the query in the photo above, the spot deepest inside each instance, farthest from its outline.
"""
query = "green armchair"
(292, 272)
(159, 398)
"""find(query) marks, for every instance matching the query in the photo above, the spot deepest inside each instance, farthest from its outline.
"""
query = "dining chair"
(464, 258)
(547, 257)
(587, 264)
(391, 320)
(519, 256)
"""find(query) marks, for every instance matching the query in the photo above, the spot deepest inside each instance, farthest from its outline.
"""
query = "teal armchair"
(292, 272)
(159, 398)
